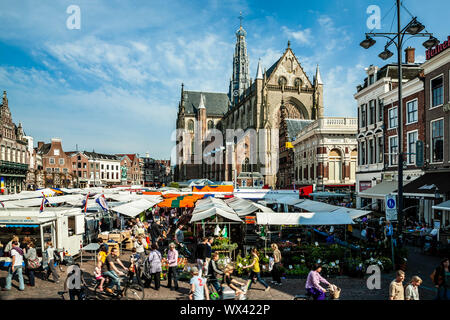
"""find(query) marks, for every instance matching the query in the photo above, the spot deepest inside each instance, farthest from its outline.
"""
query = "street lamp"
(413, 28)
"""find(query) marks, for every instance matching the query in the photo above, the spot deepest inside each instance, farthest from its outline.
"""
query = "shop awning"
(134, 208)
(352, 213)
(288, 200)
(429, 184)
(303, 218)
(445, 206)
(380, 190)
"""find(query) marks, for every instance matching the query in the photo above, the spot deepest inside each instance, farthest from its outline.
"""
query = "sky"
(114, 84)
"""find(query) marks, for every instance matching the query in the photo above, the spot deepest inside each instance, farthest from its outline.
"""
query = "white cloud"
(302, 36)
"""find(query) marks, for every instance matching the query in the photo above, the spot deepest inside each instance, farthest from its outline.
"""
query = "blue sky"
(114, 85)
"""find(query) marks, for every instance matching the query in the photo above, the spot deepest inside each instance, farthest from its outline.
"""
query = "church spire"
(259, 74)
(241, 77)
(318, 78)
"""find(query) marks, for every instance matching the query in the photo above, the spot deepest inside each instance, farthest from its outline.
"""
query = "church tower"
(241, 78)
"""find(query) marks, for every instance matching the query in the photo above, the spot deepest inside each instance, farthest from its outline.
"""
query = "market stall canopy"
(210, 207)
(124, 197)
(245, 207)
(28, 194)
(181, 201)
(445, 206)
(315, 206)
(303, 218)
(352, 213)
(380, 190)
(134, 208)
(288, 200)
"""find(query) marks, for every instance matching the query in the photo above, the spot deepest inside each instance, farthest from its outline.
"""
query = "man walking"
(200, 255)
(16, 267)
(172, 258)
(396, 290)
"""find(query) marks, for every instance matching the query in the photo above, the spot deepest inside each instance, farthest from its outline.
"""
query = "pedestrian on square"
(412, 289)
(154, 259)
(200, 255)
(140, 244)
(441, 280)
(51, 262)
(9, 245)
(208, 252)
(313, 281)
(396, 290)
(172, 258)
(15, 267)
(276, 276)
(213, 271)
(256, 271)
(199, 289)
(32, 262)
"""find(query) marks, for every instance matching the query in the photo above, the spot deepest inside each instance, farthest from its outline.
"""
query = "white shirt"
(411, 292)
(50, 251)
(19, 258)
(434, 232)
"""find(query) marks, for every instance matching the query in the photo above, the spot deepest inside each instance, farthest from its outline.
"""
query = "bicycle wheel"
(134, 291)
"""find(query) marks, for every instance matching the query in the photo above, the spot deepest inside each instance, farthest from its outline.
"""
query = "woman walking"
(412, 289)
(51, 262)
(441, 280)
(256, 271)
(154, 259)
(276, 277)
(32, 262)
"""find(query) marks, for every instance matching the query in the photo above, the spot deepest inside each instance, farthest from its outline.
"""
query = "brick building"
(56, 164)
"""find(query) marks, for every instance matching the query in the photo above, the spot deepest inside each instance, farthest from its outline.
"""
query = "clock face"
(235, 93)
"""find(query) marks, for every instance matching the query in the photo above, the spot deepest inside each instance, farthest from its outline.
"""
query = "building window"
(56, 152)
(371, 111)
(380, 149)
(363, 115)
(61, 161)
(57, 170)
(107, 167)
(92, 166)
(393, 118)
(380, 111)
(371, 79)
(411, 108)
(210, 124)
(437, 140)
(65, 170)
(393, 145)
(49, 170)
(371, 152)
(412, 138)
(363, 153)
(436, 92)
(51, 160)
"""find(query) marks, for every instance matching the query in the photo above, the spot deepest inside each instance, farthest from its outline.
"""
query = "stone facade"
(252, 105)
(325, 153)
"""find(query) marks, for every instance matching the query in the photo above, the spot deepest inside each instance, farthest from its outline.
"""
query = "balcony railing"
(13, 165)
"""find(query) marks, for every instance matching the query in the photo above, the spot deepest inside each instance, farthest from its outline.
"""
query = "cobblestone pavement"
(352, 288)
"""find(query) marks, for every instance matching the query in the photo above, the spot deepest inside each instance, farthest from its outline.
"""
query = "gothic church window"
(191, 126)
(210, 124)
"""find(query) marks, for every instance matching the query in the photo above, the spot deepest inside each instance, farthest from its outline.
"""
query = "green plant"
(174, 185)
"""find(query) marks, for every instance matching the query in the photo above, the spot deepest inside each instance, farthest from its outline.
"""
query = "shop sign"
(430, 53)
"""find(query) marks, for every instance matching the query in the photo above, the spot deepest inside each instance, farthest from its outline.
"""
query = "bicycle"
(131, 291)
(329, 295)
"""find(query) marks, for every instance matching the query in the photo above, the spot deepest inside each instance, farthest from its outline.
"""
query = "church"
(269, 110)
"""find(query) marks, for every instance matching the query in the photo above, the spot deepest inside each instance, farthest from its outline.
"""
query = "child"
(98, 276)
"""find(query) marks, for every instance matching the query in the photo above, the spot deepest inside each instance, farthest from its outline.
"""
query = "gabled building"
(13, 157)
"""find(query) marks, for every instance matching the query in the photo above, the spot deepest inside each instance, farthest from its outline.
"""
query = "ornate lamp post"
(413, 28)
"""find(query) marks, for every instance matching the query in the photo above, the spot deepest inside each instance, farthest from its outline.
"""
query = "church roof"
(272, 68)
(294, 126)
(215, 103)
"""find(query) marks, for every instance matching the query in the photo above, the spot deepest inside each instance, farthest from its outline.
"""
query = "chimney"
(40, 144)
(409, 55)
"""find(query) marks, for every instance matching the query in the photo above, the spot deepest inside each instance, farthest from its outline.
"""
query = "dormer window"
(371, 79)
